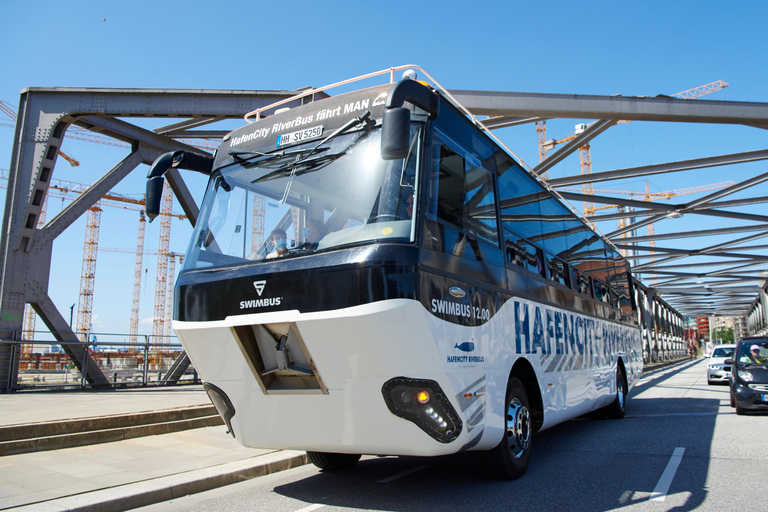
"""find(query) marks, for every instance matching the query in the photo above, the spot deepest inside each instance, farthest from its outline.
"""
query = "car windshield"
(306, 199)
(753, 352)
(723, 352)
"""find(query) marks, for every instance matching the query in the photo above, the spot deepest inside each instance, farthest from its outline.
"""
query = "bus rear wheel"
(616, 409)
(333, 461)
(509, 460)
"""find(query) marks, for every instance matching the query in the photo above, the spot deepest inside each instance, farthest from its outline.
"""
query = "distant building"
(702, 325)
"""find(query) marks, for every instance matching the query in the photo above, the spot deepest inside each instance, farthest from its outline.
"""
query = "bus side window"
(601, 291)
(450, 187)
(583, 284)
(557, 270)
(614, 299)
(522, 253)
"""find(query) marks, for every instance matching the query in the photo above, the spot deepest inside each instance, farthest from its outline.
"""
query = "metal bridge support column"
(25, 259)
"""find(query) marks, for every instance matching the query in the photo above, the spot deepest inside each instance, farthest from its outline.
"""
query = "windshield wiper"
(245, 156)
(314, 162)
(309, 163)
(365, 118)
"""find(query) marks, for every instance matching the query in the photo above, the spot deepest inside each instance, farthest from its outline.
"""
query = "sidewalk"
(32, 407)
(129, 473)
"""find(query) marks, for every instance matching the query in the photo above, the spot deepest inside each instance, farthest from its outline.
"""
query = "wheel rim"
(620, 389)
(518, 427)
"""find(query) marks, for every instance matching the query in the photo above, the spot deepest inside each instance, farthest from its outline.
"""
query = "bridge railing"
(142, 361)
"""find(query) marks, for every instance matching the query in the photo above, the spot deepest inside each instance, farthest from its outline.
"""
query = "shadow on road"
(581, 465)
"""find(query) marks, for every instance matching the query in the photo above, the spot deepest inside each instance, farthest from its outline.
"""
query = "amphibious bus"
(373, 273)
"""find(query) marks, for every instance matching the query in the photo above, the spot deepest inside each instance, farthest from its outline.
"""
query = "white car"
(717, 370)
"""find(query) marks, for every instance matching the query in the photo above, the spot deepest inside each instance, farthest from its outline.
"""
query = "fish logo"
(467, 346)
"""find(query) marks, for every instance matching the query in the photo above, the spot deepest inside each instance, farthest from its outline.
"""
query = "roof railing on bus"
(391, 71)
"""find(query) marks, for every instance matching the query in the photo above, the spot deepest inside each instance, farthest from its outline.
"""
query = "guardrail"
(43, 365)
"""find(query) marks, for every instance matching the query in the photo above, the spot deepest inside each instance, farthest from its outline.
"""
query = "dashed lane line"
(662, 487)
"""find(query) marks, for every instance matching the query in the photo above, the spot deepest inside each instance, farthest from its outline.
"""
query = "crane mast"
(134, 327)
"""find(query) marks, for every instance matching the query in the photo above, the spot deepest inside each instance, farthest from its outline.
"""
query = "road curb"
(165, 488)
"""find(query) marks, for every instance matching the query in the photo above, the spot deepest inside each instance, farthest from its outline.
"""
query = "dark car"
(749, 375)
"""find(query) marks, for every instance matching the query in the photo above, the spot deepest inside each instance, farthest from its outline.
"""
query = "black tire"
(710, 382)
(733, 400)
(616, 409)
(333, 461)
(740, 410)
(509, 460)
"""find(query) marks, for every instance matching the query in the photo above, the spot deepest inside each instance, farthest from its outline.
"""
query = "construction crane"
(88, 273)
(584, 151)
(65, 190)
(120, 201)
(133, 330)
(161, 279)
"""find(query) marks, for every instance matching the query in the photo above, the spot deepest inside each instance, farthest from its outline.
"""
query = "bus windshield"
(310, 197)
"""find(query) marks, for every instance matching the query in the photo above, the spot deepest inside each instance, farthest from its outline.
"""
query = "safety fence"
(145, 361)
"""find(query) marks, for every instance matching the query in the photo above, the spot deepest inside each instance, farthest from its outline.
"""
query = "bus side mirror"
(155, 179)
(156, 176)
(395, 133)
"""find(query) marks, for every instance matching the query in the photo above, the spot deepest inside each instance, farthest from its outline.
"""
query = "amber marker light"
(422, 397)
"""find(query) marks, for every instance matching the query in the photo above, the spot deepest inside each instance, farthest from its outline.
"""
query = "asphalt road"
(680, 447)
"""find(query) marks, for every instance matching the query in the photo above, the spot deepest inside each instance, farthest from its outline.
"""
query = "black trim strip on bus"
(505, 295)
(318, 282)
(346, 278)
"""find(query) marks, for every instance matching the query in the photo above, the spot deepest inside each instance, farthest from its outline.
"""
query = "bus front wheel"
(333, 461)
(509, 459)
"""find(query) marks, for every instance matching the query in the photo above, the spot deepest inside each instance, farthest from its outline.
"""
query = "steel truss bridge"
(730, 282)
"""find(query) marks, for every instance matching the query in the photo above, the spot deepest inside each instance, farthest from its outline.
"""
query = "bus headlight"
(423, 403)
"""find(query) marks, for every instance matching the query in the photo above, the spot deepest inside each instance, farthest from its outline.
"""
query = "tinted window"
(450, 194)
(480, 204)
(463, 190)
(581, 282)
(601, 291)
(558, 271)
(723, 352)
(523, 254)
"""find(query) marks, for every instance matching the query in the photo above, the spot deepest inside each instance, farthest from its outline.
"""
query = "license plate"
(291, 138)
(727, 374)
(764, 398)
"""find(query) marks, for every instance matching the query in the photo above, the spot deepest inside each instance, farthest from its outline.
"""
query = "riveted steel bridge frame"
(736, 289)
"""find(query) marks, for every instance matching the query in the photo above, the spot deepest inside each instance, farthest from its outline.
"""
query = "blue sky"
(631, 48)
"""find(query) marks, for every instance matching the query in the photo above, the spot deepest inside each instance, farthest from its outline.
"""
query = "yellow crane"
(584, 151)
(647, 195)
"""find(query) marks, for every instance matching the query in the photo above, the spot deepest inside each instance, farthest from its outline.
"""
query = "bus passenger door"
(461, 237)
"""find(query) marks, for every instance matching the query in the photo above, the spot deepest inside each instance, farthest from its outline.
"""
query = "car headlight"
(714, 367)
(745, 375)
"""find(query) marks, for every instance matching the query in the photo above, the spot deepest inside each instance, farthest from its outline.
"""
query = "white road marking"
(399, 475)
(310, 508)
(662, 487)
